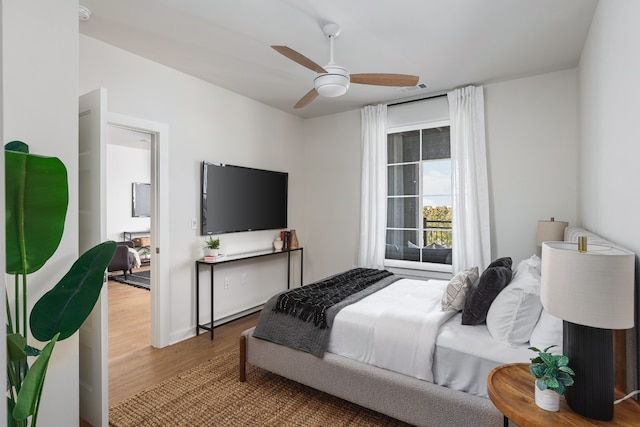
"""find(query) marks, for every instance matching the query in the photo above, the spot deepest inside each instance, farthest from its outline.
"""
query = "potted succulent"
(553, 377)
(211, 246)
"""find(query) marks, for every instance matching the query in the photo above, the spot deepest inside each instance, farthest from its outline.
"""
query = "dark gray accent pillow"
(485, 290)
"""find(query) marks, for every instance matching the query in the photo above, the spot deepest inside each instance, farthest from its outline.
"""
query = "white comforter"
(395, 328)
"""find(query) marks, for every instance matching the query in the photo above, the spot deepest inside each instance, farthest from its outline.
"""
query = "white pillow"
(548, 331)
(515, 311)
(534, 262)
(456, 292)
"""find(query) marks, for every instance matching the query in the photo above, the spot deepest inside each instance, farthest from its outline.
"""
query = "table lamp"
(590, 287)
(550, 231)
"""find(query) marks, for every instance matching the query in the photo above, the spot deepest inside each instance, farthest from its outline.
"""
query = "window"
(419, 195)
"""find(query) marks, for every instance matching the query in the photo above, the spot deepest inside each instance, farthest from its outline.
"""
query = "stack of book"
(209, 258)
(285, 235)
(289, 239)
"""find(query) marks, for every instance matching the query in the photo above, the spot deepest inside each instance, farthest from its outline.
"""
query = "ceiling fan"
(333, 80)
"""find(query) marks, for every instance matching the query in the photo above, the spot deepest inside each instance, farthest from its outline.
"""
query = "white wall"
(532, 137)
(125, 165)
(609, 110)
(332, 193)
(40, 107)
(205, 123)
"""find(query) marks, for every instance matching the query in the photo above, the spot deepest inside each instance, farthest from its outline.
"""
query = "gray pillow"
(456, 292)
(485, 290)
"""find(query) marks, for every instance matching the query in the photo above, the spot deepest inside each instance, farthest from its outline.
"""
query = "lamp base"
(590, 353)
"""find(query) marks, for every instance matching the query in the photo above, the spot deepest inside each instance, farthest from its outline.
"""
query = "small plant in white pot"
(211, 246)
(553, 377)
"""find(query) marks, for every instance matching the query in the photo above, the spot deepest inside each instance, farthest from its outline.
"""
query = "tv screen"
(140, 199)
(236, 198)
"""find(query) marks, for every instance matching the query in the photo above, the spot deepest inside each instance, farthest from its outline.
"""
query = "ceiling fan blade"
(385, 79)
(306, 100)
(299, 58)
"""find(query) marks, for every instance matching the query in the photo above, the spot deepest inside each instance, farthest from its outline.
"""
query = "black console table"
(128, 235)
(238, 257)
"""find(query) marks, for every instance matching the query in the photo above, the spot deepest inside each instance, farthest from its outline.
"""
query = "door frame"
(160, 307)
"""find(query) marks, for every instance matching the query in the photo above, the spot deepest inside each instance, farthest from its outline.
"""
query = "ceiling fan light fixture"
(333, 83)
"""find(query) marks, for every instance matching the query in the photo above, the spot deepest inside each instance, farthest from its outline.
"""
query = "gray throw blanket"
(310, 303)
(304, 334)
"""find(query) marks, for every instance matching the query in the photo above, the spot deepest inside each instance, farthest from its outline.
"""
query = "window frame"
(415, 266)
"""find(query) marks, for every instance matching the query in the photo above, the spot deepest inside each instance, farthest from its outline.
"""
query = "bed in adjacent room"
(419, 351)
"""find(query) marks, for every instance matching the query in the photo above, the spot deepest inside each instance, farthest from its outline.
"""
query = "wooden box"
(142, 241)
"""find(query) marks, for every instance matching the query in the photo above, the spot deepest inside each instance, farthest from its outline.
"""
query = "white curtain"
(471, 238)
(373, 203)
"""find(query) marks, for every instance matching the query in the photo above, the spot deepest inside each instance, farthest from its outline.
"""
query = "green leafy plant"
(37, 196)
(552, 370)
(212, 243)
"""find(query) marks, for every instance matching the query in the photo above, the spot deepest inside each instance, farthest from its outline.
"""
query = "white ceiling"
(447, 43)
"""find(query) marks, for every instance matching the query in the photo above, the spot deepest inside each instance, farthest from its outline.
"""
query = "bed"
(436, 381)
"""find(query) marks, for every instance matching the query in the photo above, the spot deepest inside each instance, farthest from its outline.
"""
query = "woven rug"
(211, 395)
(139, 279)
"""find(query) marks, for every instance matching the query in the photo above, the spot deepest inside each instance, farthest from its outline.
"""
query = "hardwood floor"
(134, 365)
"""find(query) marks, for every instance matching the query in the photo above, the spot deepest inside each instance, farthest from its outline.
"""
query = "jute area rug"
(211, 395)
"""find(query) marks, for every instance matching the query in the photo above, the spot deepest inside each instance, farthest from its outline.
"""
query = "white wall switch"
(194, 223)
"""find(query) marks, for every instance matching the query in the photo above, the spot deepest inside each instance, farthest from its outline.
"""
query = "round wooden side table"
(511, 391)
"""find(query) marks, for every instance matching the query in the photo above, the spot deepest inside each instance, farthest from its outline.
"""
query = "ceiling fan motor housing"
(334, 82)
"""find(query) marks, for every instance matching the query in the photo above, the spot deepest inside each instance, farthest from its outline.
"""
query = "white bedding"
(402, 328)
(395, 328)
(465, 355)
(136, 257)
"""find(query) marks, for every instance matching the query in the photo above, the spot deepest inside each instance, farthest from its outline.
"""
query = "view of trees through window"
(437, 225)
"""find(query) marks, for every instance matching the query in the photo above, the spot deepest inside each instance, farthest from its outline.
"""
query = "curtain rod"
(418, 99)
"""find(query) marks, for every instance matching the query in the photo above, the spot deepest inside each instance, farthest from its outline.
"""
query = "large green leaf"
(37, 196)
(65, 307)
(31, 390)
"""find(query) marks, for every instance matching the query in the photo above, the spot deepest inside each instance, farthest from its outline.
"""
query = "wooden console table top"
(511, 391)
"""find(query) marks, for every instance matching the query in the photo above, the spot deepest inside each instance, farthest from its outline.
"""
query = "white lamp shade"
(593, 288)
(550, 231)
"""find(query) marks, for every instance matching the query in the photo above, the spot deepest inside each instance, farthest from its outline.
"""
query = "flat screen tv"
(140, 199)
(236, 198)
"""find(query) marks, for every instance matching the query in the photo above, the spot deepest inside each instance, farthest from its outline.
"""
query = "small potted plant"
(553, 377)
(212, 246)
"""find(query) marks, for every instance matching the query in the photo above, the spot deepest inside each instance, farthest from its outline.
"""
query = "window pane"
(437, 227)
(435, 143)
(436, 202)
(403, 147)
(419, 196)
(436, 182)
(398, 245)
(402, 212)
(403, 180)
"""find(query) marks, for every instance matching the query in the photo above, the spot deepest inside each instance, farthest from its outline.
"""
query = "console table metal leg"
(288, 269)
(197, 299)
(212, 301)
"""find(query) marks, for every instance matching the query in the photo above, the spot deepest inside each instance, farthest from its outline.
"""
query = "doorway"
(128, 218)
(157, 134)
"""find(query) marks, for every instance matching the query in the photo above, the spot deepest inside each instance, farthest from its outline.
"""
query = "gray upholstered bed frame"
(399, 396)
